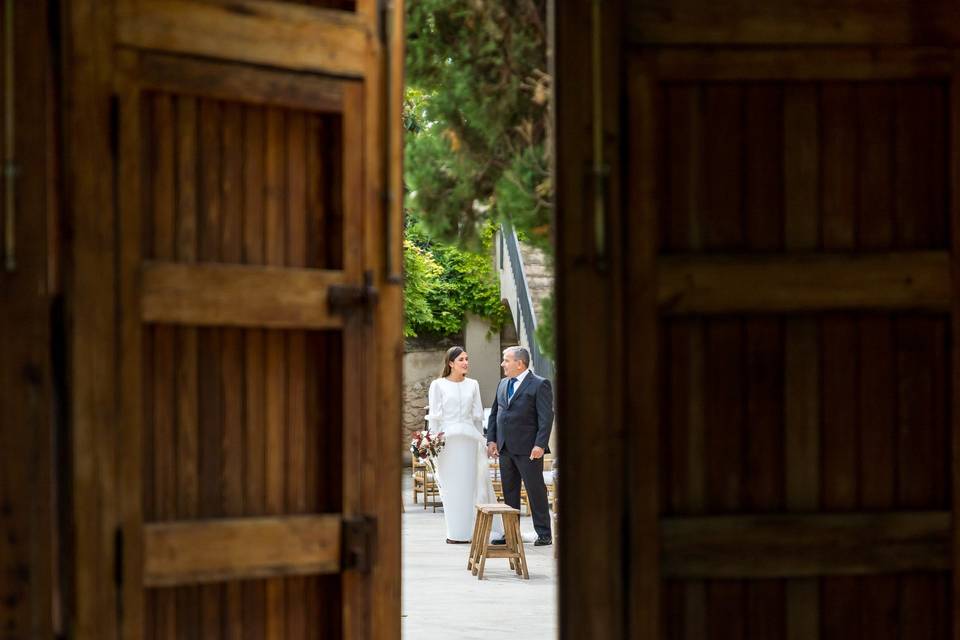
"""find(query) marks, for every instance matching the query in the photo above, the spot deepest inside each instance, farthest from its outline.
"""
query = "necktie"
(510, 386)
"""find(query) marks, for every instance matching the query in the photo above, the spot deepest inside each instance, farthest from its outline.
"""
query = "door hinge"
(347, 298)
(359, 542)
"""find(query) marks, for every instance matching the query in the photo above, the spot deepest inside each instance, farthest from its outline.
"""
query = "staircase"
(526, 278)
(539, 271)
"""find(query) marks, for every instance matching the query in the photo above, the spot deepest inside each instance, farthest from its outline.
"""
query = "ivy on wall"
(445, 282)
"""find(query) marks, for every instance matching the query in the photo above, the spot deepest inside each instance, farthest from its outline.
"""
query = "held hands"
(536, 453)
(492, 450)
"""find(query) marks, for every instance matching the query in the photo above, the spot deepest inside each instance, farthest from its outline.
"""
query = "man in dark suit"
(518, 432)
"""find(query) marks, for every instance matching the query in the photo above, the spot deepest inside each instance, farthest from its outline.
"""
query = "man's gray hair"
(520, 353)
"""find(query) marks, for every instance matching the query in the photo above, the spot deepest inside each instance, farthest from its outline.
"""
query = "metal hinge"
(347, 298)
(359, 540)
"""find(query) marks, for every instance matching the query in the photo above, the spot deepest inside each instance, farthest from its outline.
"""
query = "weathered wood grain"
(805, 545)
(276, 34)
(794, 64)
(88, 77)
(31, 580)
(739, 22)
(640, 289)
(238, 295)
(240, 548)
(953, 426)
(231, 81)
(803, 282)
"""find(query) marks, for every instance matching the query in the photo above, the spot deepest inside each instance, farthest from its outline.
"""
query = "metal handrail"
(541, 363)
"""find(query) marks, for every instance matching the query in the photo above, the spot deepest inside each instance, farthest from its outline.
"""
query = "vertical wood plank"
(209, 364)
(232, 366)
(953, 428)
(877, 414)
(88, 78)
(254, 462)
(163, 135)
(638, 291)
(764, 165)
(801, 131)
(188, 436)
(764, 484)
(723, 399)
(315, 242)
(275, 356)
(840, 438)
(355, 590)
(877, 393)
(316, 238)
(335, 160)
(918, 484)
(684, 159)
(721, 218)
(135, 440)
(921, 188)
(29, 368)
(145, 247)
(298, 610)
(722, 224)
(764, 489)
(920, 209)
(683, 426)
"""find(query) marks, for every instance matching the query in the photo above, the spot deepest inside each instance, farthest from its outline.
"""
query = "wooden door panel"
(878, 147)
(239, 216)
(788, 410)
(228, 170)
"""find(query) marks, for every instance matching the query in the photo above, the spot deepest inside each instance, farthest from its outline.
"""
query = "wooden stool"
(480, 547)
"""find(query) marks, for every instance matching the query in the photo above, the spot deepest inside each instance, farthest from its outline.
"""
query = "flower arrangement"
(426, 446)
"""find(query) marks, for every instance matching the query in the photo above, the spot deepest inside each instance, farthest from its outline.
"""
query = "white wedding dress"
(463, 471)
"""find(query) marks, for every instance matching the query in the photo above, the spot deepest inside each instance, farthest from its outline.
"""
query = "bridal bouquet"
(426, 446)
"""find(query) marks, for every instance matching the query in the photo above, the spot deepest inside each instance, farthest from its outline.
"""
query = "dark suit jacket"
(525, 421)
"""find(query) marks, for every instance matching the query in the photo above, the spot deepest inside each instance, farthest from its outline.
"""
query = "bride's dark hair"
(452, 354)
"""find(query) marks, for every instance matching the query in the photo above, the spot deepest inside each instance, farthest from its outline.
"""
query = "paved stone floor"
(442, 600)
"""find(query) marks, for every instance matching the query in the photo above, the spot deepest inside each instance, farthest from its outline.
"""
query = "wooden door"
(257, 324)
(789, 317)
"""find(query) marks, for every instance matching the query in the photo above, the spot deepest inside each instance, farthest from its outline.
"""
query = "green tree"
(477, 146)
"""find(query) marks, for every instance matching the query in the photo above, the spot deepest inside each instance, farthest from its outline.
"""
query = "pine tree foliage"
(476, 117)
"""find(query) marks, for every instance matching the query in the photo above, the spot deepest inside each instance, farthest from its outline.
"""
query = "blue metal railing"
(542, 365)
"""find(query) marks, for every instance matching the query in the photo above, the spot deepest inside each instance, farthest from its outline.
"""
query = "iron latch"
(358, 543)
(347, 298)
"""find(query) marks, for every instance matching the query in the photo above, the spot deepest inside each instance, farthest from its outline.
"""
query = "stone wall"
(420, 368)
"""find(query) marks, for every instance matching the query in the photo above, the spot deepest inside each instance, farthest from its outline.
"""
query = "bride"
(462, 469)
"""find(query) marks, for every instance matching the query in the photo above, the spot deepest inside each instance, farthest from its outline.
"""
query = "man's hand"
(536, 453)
(492, 450)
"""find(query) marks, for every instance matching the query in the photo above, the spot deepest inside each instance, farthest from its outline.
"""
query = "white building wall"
(484, 352)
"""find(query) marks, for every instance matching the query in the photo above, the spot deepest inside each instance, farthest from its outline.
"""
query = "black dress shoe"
(449, 541)
(500, 541)
(543, 542)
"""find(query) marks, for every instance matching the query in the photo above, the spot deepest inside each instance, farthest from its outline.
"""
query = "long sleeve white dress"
(463, 472)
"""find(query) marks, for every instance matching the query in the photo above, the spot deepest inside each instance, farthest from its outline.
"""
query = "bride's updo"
(452, 354)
